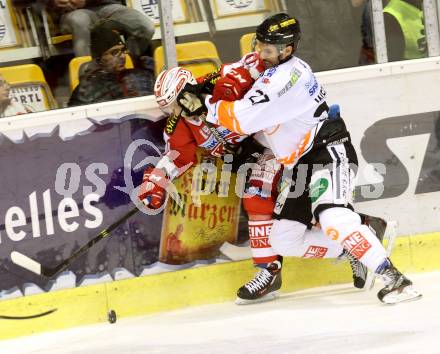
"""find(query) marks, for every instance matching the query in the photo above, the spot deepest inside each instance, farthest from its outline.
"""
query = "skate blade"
(408, 294)
(268, 297)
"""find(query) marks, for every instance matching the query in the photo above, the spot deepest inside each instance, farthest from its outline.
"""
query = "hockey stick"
(2, 317)
(390, 237)
(234, 252)
(28, 263)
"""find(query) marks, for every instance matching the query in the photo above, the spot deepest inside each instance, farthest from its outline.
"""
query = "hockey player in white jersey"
(185, 133)
(289, 105)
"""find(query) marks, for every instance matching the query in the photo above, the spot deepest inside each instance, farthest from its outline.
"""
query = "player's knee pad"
(286, 235)
(339, 221)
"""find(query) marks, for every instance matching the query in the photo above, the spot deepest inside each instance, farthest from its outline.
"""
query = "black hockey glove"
(191, 100)
(248, 152)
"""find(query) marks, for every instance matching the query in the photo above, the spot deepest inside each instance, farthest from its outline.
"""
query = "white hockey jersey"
(286, 102)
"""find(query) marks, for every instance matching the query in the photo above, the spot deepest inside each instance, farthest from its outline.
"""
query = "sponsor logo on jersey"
(318, 188)
(294, 76)
(356, 244)
(332, 233)
(214, 146)
(312, 86)
(171, 124)
(209, 143)
(270, 72)
(315, 252)
(224, 132)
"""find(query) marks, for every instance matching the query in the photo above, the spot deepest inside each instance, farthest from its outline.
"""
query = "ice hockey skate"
(263, 287)
(360, 271)
(361, 274)
(378, 226)
(398, 288)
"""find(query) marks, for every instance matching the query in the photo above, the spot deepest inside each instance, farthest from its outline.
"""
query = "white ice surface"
(327, 320)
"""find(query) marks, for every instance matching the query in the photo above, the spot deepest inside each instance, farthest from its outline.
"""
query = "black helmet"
(279, 29)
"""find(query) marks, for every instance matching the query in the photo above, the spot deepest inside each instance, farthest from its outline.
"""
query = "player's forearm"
(236, 117)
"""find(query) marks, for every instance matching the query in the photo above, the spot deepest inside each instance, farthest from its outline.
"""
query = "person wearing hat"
(106, 77)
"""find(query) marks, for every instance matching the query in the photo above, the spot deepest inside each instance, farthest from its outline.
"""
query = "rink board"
(191, 287)
(391, 110)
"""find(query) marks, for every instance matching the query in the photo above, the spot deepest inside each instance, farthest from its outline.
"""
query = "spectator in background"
(367, 55)
(9, 107)
(106, 78)
(78, 17)
(405, 30)
(330, 30)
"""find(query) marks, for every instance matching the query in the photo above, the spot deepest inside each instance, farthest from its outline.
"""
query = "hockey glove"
(253, 64)
(233, 86)
(206, 83)
(191, 100)
(153, 188)
(248, 151)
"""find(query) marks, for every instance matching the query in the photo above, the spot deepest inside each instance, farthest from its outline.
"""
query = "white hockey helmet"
(170, 83)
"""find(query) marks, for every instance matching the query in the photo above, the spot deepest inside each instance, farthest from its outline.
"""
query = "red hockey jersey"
(184, 135)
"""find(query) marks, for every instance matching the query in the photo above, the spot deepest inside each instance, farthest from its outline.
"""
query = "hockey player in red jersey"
(184, 132)
(288, 104)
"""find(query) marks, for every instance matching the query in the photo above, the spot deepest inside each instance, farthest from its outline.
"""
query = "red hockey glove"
(153, 188)
(233, 86)
(253, 64)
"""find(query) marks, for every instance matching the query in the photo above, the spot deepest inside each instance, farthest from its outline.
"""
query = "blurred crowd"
(118, 38)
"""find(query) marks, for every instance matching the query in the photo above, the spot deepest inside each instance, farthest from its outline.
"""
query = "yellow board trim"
(191, 287)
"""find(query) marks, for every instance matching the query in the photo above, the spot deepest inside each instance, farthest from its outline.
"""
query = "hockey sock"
(344, 226)
(262, 252)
